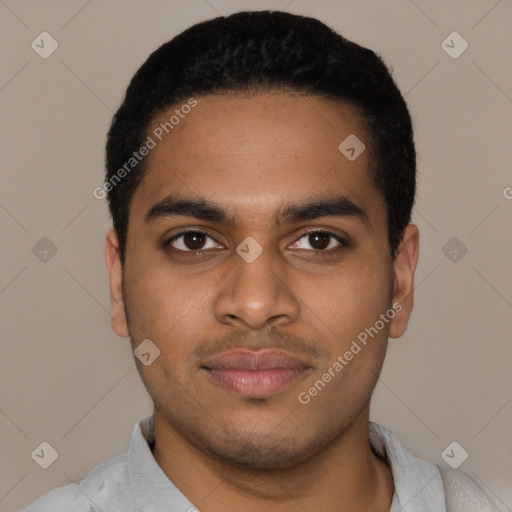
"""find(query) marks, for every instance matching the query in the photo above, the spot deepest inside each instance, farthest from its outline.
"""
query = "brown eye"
(194, 241)
(319, 241)
(191, 241)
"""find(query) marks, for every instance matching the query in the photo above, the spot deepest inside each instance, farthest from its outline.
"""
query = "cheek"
(161, 300)
(359, 297)
(353, 387)
(169, 308)
(356, 354)
(349, 300)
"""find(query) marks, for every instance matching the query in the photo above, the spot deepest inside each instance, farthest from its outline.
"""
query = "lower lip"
(255, 383)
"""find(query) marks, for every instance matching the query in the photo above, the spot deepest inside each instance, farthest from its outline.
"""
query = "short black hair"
(262, 51)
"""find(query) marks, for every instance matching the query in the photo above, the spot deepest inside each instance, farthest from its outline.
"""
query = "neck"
(346, 476)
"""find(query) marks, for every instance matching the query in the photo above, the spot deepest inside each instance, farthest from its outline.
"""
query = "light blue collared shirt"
(134, 482)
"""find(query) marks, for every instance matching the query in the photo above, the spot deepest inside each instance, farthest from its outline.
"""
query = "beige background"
(68, 380)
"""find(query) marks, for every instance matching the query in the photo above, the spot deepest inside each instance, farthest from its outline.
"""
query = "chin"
(262, 445)
(264, 455)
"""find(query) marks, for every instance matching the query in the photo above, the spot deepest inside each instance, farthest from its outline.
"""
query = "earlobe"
(115, 276)
(404, 267)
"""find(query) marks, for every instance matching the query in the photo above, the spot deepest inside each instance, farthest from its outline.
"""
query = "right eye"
(192, 241)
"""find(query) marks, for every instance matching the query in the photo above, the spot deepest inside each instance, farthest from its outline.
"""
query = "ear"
(404, 267)
(115, 277)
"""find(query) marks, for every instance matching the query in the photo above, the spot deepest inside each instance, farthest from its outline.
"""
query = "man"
(261, 175)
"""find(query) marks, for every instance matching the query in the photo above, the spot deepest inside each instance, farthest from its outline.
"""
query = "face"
(256, 262)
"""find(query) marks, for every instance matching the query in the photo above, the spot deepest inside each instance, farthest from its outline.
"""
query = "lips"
(254, 374)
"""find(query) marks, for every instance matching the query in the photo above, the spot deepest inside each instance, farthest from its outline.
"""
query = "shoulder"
(104, 488)
(427, 485)
(464, 494)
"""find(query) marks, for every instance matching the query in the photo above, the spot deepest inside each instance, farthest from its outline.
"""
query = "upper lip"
(244, 359)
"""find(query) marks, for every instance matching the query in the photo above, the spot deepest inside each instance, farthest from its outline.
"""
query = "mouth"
(254, 374)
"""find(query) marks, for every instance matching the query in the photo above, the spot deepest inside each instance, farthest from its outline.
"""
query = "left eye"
(318, 241)
(190, 241)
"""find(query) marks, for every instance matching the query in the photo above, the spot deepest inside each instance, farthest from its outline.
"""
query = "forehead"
(252, 154)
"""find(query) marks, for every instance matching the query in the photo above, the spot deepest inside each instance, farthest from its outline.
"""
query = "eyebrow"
(199, 208)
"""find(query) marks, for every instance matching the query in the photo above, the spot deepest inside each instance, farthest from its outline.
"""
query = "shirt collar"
(151, 488)
(418, 484)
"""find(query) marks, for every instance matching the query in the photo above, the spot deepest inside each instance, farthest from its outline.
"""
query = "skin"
(251, 156)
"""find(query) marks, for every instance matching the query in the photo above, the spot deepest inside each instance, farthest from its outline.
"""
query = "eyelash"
(326, 252)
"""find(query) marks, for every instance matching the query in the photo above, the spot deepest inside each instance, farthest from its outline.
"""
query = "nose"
(256, 294)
